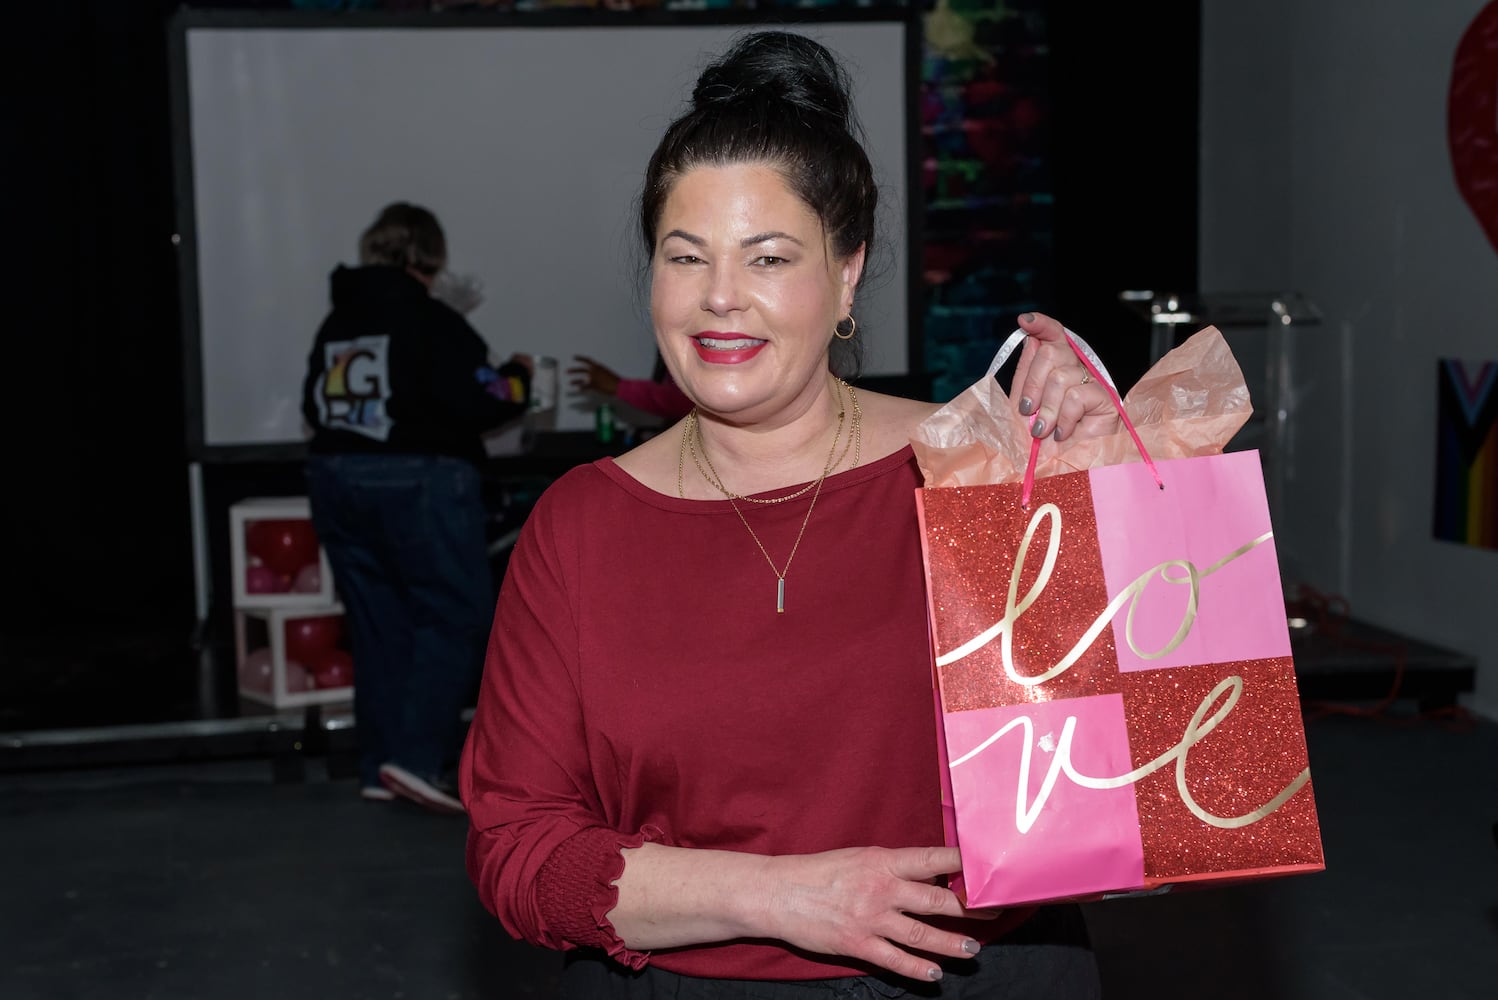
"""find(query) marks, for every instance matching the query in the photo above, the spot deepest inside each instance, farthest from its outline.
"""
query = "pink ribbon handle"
(1102, 380)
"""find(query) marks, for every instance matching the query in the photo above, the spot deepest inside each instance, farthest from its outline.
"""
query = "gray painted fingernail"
(933, 973)
(1038, 427)
(970, 946)
(1026, 406)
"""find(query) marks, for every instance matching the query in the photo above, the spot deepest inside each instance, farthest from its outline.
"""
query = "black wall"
(97, 537)
(1125, 82)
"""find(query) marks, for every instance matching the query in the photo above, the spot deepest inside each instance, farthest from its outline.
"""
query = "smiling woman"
(695, 793)
(744, 272)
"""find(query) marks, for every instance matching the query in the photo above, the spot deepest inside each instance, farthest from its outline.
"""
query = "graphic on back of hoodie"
(353, 391)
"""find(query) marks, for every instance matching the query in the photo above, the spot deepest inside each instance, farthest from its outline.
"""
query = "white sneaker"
(408, 786)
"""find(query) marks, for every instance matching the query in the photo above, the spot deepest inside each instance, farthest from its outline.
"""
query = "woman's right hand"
(866, 903)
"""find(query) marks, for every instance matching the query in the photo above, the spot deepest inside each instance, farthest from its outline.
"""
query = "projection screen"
(527, 140)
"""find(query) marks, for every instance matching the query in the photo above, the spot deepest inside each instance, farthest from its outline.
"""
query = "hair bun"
(782, 101)
(769, 67)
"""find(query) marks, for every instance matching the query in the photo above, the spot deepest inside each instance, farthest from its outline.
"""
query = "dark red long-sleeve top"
(640, 685)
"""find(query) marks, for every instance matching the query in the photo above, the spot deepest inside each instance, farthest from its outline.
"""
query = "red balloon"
(333, 668)
(284, 546)
(307, 637)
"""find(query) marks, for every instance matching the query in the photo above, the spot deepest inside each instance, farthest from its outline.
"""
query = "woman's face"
(745, 292)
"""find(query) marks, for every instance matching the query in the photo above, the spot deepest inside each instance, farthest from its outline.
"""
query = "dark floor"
(212, 880)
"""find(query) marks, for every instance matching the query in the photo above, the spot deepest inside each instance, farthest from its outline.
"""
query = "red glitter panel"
(1255, 752)
(973, 539)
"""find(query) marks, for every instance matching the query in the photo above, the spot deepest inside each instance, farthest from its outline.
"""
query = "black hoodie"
(396, 371)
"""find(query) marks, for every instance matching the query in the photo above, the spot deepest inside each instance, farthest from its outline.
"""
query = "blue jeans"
(405, 538)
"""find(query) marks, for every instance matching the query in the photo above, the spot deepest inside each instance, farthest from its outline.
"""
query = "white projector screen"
(529, 142)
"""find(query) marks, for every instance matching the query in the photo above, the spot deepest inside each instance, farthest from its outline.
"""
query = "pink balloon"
(308, 579)
(298, 678)
(261, 580)
(255, 670)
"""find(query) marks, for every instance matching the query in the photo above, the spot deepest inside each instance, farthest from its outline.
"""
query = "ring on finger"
(1086, 378)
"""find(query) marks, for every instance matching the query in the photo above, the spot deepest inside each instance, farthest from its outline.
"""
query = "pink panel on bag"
(1210, 507)
(1083, 840)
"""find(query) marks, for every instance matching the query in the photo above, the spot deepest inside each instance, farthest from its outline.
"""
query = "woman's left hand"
(1054, 390)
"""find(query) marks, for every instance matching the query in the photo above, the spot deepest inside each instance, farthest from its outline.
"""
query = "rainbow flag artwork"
(1466, 508)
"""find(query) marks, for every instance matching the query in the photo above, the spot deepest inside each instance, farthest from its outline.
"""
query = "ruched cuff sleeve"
(575, 889)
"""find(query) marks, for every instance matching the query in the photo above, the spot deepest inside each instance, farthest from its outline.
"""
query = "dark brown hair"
(780, 99)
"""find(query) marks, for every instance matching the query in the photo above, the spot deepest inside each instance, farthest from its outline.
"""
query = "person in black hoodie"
(399, 390)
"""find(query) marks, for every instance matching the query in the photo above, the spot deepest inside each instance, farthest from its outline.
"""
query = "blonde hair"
(404, 235)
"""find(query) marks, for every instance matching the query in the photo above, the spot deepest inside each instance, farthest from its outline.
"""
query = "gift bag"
(1112, 661)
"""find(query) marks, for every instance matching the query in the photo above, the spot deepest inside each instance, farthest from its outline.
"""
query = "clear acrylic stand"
(1258, 326)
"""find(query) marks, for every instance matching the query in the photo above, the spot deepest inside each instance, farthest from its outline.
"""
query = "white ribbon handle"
(1015, 339)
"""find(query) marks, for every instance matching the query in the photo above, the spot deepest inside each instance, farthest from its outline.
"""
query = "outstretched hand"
(866, 903)
(1054, 389)
(588, 375)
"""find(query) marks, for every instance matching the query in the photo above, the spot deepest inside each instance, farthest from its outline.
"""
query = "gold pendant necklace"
(691, 439)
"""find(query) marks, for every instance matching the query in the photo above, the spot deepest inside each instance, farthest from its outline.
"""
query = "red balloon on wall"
(283, 545)
(1471, 126)
(333, 668)
(307, 637)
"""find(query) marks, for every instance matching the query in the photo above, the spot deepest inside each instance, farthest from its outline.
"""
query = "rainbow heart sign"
(1472, 119)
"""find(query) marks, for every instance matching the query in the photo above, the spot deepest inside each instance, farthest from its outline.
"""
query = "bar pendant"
(780, 597)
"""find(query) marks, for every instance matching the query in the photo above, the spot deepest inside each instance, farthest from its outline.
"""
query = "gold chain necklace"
(692, 440)
(690, 430)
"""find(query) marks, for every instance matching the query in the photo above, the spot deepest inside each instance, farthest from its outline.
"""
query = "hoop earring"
(852, 329)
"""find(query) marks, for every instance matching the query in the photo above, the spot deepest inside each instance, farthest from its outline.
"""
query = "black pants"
(1048, 956)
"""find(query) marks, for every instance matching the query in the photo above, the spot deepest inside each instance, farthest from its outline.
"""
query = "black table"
(1343, 659)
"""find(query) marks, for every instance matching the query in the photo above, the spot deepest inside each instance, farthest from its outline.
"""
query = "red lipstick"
(726, 348)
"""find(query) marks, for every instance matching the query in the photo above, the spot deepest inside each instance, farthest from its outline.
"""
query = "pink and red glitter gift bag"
(1114, 681)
